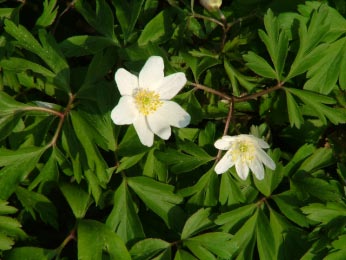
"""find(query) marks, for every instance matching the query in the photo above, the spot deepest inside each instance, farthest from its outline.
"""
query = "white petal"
(126, 82)
(174, 114)
(261, 142)
(223, 144)
(224, 164)
(171, 85)
(152, 73)
(159, 125)
(265, 158)
(146, 136)
(125, 112)
(257, 169)
(242, 169)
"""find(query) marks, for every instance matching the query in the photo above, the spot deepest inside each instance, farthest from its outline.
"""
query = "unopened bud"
(211, 5)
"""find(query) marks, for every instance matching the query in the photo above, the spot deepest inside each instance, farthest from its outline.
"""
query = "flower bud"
(211, 5)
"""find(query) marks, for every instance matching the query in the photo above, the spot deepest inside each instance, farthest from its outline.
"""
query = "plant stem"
(257, 94)
(71, 236)
(227, 124)
(62, 119)
(199, 16)
(210, 90)
(43, 109)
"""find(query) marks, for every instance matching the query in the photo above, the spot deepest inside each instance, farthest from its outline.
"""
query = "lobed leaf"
(95, 238)
(124, 219)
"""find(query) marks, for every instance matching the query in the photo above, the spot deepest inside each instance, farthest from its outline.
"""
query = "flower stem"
(227, 124)
(199, 16)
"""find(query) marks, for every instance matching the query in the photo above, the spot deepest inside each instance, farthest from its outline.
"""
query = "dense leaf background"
(75, 186)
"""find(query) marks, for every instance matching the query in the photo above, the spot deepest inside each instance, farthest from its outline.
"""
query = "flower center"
(245, 151)
(147, 101)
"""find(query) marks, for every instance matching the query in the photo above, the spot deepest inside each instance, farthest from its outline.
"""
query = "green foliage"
(73, 185)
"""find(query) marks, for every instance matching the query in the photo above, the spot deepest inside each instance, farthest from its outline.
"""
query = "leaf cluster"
(74, 185)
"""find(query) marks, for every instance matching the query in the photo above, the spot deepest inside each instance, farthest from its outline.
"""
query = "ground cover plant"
(176, 129)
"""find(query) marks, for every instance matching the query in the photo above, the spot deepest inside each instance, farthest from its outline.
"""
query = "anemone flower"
(245, 152)
(145, 101)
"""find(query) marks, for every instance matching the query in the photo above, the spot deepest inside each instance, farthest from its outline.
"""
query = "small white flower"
(246, 153)
(145, 101)
(211, 4)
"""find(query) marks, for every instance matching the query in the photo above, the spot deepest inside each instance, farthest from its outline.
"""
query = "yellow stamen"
(147, 101)
(243, 151)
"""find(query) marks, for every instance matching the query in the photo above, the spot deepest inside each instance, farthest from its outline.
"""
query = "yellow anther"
(147, 101)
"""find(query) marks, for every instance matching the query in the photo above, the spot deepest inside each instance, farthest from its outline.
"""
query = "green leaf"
(265, 237)
(316, 187)
(259, 65)
(127, 13)
(127, 162)
(184, 255)
(199, 65)
(77, 198)
(289, 205)
(5, 209)
(310, 38)
(19, 65)
(234, 219)
(324, 213)
(217, 243)
(237, 78)
(316, 102)
(11, 227)
(30, 253)
(35, 202)
(130, 144)
(48, 15)
(18, 164)
(198, 222)
(320, 158)
(294, 113)
(123, 218)
(8, 104)
(154, 168)
(324, 74)
(73, 150)
(8, 123)
(272, 178)
(245, 236)
(101, 18)
(290, 241)
(6, 242)
(95, 238)
(159, 197)
(276, 42)
(158, 30)
(94, 184)
(49, 172)
(148, 248)
(303, 152)
(205, 191)
(84, 132)
(82, 45)
(230, 191)
(207, 135)
(48, 51)
(190, 157)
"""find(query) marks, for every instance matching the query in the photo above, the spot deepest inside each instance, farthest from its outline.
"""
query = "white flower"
(245, 152)
(145, 101)
(211, 4)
